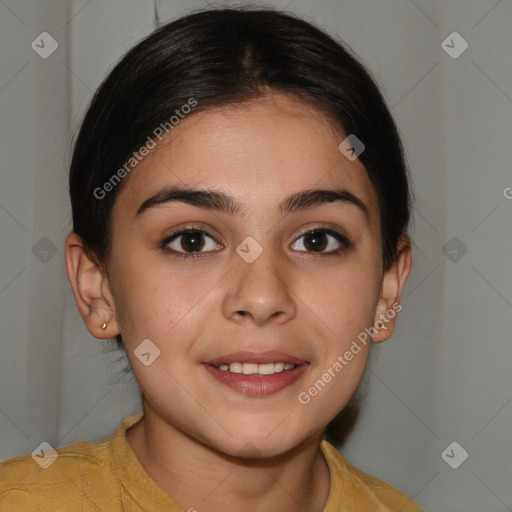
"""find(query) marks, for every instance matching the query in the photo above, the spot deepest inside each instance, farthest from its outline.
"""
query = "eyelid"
(338, 234)
(180, 231)
(199, 228)
(321, 227)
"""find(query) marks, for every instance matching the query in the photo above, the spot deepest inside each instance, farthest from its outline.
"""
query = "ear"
(91, 289)
(393, 282)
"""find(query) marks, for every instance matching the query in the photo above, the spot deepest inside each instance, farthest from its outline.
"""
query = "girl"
(240, 208)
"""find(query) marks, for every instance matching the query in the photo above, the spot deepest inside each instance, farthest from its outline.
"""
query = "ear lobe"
(90, 289)
(393, 283)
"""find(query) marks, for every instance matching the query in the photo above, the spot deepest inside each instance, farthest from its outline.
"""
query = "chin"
(258, 443)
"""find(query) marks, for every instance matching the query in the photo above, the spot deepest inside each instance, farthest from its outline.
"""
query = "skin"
(295, 300)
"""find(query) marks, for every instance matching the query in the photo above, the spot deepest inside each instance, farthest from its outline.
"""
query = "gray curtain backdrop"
(443, 378)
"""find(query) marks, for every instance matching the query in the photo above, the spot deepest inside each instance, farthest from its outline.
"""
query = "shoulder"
(70, 476)
(347, 480)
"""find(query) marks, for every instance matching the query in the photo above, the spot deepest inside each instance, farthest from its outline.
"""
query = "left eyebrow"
(221, 202)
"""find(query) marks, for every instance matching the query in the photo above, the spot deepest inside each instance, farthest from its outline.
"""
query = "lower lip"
(257, 386)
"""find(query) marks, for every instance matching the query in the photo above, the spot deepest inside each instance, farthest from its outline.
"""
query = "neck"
(199, 477)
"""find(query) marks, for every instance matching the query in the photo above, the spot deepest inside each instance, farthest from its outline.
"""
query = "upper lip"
(243, 356)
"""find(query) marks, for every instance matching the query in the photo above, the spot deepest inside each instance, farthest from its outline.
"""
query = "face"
(261, 282)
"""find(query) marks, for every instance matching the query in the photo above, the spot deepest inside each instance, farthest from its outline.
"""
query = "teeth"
(278, 367)
(266, 369)
(249, 368)
(235, 367)
(256, 369)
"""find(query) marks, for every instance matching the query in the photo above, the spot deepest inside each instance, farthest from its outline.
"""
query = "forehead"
(258, 152)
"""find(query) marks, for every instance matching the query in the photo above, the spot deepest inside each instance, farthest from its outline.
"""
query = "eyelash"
(342, 239)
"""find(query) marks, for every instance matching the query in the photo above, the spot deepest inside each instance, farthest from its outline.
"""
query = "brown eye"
(318, 240)
(192, 242)
(189, 241)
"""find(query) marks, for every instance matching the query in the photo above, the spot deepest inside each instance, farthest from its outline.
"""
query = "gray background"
(444, 376)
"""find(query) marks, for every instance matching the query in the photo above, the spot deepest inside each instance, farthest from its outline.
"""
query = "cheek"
(342, 315)
(156, 300)
(343, 300)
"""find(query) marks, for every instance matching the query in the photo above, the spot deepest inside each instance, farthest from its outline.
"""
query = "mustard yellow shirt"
(106, 476)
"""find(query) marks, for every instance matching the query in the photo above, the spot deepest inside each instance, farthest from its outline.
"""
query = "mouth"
(259, 370)
(256, 374)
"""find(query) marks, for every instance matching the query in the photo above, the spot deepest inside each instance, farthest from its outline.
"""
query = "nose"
(260, 292)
